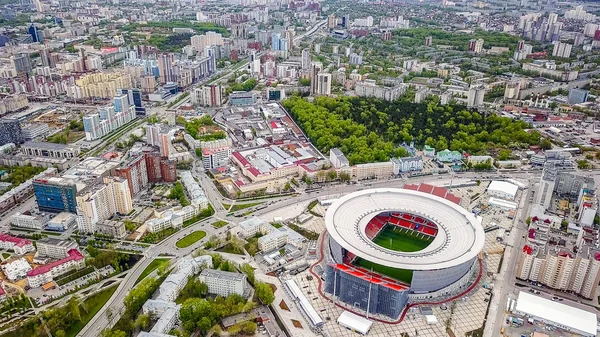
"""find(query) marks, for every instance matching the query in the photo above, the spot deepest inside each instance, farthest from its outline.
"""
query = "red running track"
(401, 318)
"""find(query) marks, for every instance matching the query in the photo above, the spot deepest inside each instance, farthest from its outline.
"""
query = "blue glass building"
(55, 195)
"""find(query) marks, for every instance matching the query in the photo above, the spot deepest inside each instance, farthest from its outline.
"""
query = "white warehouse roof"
(574, 319)
(503, 187)
(354, 322)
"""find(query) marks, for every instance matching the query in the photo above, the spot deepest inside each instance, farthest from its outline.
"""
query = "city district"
(299, 168)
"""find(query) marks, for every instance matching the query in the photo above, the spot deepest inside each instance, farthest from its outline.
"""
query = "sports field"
(398, 274)
(401, 240)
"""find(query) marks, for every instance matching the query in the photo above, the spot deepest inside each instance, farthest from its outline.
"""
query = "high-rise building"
(136, 174)
(21, 63)
(331, 21)
(512, 90)
(323, 84)
(10, 131)
(109, 118)
(160, 169)
(476, 94)
(428, 41)
(210, 95)
(346, 21)
(562, 49)
(306, 59)
(55, 194)
(476, 46)
(165, 68)
(134, 97)
(100, 201)
(36, 35)
(316, 68)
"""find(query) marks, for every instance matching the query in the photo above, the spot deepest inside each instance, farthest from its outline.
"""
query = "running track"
(399, 320)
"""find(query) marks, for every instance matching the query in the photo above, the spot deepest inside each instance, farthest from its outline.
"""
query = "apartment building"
(55, 248)
(223, 283)
(17, 245)
(109, 118)
(100, 201)
(47, 273)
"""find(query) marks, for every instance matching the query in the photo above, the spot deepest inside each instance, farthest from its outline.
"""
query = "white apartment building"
(476, 94)
(108, 119)
(323, 84)
(46, 273)
(562, 49)
(55, 248)
(16, 270)
(101, 201)
(369, 88)
(561, 269)
(223, 283)
(18, 245)
(215, 158)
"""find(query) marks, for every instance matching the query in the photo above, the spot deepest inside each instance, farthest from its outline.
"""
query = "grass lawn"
(6, 255)
(237, 207)
(398, 274)
(228, 248)
(219, 224)
(91, 306)
(153, 265)
(190, 239)
(400, 240)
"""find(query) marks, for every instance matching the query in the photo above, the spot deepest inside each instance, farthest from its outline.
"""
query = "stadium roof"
(460, 236)
(561, 314)
(354, 322)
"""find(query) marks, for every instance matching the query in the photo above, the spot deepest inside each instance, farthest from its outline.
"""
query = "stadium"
(388, 246)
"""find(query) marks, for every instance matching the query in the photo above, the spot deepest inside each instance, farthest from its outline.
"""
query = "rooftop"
(224, 275)
(561, 314)
(73, 255)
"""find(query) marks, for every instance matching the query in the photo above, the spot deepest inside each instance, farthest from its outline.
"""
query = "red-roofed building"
(47, 273)
(2, 294)
(18, 245)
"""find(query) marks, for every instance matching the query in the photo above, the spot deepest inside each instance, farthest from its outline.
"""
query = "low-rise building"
(447, 156)
(55, 248)
(52, 150)
(27, 221)
(407, 164)
(115, 229)
(272, 241)
(16, 270)
(223, 283)
(18, 245)
(47, 273)
(62, 221)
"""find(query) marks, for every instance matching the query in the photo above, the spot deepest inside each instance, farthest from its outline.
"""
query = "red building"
(160, 169)
(597, 35)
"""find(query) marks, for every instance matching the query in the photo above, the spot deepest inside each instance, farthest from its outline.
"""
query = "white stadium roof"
(459, 239)
(561, 314)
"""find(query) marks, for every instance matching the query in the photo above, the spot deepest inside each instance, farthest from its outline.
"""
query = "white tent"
(354, 322)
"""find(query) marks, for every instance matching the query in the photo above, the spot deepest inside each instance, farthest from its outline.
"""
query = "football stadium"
(389, 246)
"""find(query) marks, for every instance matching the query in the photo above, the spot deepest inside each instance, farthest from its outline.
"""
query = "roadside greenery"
(178, 193)
(247, 85)
(20, 174)
(190, 239)
(156, 263)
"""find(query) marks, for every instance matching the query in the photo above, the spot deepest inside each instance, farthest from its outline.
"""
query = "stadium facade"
(381, 277)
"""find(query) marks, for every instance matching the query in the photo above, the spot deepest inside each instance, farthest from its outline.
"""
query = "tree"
(332, 175)
(143, 322)
(264, 292)
(344, 177)
(528, 220)
(545, 144)
(59, 333)
(112, 333)
(249, 271)
(248, 328)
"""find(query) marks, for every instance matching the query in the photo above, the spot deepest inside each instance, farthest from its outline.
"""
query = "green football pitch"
(398, 274)
(401, 240)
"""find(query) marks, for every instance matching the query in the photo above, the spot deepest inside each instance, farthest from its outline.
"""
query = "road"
(505, 281)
